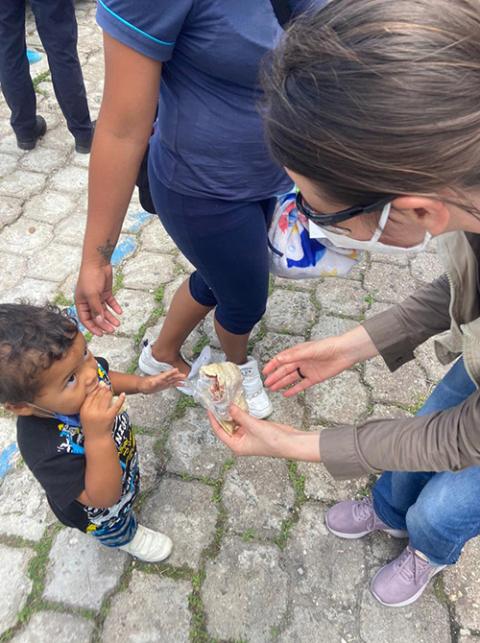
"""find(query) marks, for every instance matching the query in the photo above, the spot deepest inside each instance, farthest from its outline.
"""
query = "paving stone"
(57, 262)
(257, 495)
(71, 229)
(70, 179)
(341, 297)
(398, 260)
(118, 351)
(42, 159)
(385, 411)
(55, 627)
(405, 386)
(137, 306)
(328, 326)
(152, 411)
(319, 484)
(81, 571)
(244, 592)
(426, 267)
(8, 432)
(24, 511)
(151, 610)
(154, 238)
(296, 284)
(193, 447)
(423, 622)
(51, 207)
(7, 165)
(289, 312)
(22, 184)
(185, 512)
(148, 270)
(340, 400)
(287, 410)
(462, 586)
(57, 137)
(33, 291)
(10, 210)
(307, 626)
(325, 572)
(149, 461)
(25, 237)
(184, 264)
(388, 283)
(425, 355)
(13, 595)
(376, 307)
(8, 144)
(208, 329)
(13, 269)
(271, 344)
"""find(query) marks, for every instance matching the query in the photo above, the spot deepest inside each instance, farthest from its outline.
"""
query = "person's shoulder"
(36, 436)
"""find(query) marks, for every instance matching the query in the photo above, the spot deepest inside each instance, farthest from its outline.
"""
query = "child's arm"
(103, 473)
(129, 383)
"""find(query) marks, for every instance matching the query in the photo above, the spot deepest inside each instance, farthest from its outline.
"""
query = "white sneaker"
(150, 366)
(148, 545)
(258, 402)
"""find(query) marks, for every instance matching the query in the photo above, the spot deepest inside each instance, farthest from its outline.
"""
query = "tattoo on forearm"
(106, 250)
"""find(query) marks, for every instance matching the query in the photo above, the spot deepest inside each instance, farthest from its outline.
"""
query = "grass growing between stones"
(297, 481)
(184, 403)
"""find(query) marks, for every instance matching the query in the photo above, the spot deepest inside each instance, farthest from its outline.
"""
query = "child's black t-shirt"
(53, 450)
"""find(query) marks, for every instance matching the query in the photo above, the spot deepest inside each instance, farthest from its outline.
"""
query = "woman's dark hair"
(369, 98)
(31, 339)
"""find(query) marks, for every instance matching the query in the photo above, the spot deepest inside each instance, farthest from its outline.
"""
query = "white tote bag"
(294, 254)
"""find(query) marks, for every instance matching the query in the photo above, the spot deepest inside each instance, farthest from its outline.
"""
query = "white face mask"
(339, 240)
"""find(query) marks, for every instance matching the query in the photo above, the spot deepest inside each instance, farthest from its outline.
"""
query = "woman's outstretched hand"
(95, 301)
(262, 438)
(307, 364)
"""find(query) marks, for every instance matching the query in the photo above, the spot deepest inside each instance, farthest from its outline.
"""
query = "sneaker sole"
(395, 533)
(410, 600)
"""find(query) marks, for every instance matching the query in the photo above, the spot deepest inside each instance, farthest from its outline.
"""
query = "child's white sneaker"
(148, 545)
(258, 402)
(151, 366)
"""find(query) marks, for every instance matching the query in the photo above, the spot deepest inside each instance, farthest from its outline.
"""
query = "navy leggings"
(226, 241)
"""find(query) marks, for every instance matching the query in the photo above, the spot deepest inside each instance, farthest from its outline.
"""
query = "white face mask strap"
(39, 408)
(382, 223)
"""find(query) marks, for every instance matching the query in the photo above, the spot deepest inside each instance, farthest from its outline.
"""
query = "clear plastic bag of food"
(217, 387)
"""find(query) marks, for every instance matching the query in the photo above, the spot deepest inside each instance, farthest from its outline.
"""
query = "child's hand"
(154, 383)
(98, 411)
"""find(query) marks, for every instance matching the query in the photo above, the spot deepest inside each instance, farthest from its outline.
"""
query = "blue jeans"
(440, 511)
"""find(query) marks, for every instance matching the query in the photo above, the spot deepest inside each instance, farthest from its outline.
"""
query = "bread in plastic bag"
(218, 386)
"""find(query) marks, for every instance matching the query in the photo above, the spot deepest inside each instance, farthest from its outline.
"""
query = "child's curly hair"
(31, 339)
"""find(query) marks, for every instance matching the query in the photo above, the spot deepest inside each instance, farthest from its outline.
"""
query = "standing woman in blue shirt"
(211, 177)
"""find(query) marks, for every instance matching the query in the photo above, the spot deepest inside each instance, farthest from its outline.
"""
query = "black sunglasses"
(342, 215)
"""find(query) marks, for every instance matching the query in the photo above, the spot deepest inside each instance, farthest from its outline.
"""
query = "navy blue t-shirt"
(209, 138)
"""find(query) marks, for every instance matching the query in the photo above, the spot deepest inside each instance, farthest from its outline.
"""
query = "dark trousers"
(57, 28)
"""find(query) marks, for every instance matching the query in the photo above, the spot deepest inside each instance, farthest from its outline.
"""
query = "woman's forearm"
(112, 173)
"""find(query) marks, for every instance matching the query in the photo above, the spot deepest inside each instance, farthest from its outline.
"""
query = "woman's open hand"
(263, 438)
(95, 301)
(307, 364)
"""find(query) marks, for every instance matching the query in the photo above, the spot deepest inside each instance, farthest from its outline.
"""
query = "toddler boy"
(71, 431)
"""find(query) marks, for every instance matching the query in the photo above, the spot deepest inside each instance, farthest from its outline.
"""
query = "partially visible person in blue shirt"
(212, 179)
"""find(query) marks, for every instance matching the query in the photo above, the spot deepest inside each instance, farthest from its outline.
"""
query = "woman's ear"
(431, 214)
(22, 408)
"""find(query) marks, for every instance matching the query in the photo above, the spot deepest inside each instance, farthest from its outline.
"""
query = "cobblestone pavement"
(252, 558)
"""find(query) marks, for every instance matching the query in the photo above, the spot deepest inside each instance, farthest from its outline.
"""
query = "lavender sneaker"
(357, 518)
(403, 580)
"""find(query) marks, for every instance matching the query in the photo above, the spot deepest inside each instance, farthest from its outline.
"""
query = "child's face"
(65, 385)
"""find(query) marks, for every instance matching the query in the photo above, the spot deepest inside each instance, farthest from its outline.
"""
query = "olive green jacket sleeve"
(443, 441)
(447, 440)
(400, 329)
